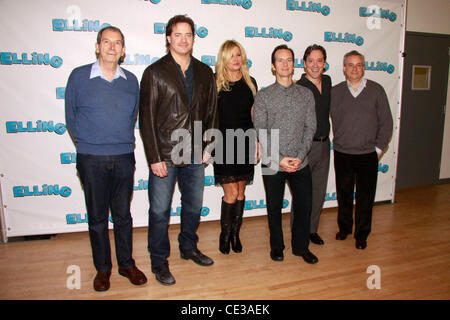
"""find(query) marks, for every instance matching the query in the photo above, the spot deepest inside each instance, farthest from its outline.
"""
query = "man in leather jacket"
(178, 93)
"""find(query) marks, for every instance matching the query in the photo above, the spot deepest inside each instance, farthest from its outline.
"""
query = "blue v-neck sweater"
(101, 115)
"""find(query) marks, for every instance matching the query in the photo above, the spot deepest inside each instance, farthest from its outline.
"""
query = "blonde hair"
(223, 57)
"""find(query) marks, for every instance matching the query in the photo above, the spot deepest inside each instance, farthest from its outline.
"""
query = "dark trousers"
(360, 170)
(301, 189)
(319, 162)
(108, 184)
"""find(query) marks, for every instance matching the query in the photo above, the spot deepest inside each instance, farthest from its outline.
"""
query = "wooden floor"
(410, 243)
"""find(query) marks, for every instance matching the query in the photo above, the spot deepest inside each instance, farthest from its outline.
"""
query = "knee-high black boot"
(226, 221)
(236, 244)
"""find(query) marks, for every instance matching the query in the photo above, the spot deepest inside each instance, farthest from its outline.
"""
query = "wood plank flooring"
(410, 243)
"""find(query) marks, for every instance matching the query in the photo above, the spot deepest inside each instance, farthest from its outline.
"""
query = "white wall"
(430, 16)
(433, 17)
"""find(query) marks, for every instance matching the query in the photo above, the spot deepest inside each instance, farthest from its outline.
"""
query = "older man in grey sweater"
(362, 129)
(285, 111)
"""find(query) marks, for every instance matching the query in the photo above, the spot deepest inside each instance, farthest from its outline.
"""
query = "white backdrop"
(42, 41)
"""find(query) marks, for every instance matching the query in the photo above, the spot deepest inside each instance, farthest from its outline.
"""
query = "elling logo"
(160, 28)
(9, 58)
(78, 25)
(39, 126)
(380, 66)
(271, 32)
(292, 5)
(343, 37)
(139, 59)
(377, 12)
(45, 190)
(246, 4)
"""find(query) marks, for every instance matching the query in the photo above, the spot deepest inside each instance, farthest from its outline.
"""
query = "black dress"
(235, 113)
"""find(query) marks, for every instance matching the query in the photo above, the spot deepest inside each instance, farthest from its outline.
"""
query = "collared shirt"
(361, 87)
(188, 79)
(96, 71)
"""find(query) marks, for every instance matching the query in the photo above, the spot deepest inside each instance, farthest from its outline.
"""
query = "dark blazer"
(164, 105)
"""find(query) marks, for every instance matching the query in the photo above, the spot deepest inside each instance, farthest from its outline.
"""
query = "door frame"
(396, 129)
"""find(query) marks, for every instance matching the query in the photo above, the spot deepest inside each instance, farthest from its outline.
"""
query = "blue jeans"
(191, 181)
(108, 184)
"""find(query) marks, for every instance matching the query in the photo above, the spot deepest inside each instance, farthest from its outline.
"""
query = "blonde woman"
(236, 92)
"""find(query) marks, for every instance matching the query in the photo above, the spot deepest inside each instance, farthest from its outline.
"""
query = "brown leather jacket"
(164, 107)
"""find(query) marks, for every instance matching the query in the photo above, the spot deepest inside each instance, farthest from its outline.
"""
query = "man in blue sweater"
(101, 108)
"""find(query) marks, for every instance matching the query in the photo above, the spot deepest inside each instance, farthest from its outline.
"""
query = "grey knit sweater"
(360, 124)
(290, 112)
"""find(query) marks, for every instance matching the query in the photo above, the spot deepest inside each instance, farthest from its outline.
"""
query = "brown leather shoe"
(101, 281)
(135, 276)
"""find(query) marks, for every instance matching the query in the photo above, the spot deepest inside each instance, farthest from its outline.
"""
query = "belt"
(322, 139)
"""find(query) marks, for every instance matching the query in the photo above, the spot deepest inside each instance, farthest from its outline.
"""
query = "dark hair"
(112, 28)
(354, 53)
(281, 47)
(178, 19)
(312, 48)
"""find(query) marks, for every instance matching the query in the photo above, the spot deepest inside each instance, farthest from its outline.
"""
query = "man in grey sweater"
(285, 119)
(362, 128)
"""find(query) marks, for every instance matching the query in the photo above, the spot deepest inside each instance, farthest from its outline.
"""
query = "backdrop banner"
(43, 41)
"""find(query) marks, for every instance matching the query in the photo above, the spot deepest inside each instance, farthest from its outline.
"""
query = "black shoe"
(198, 257)
(341, 236)
(277, 254)
(316, 239)
(308, 256)
(163, 275)
(360, 244)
